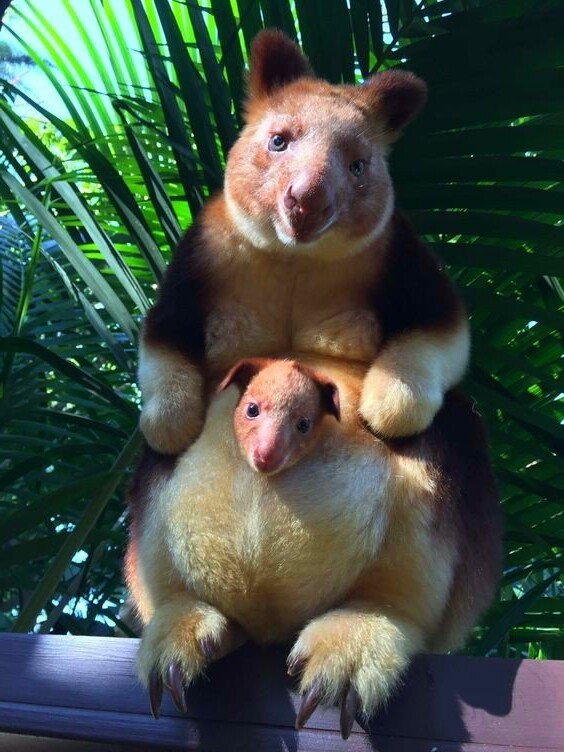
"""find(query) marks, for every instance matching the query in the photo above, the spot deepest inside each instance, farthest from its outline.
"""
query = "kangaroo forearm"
(406, 384)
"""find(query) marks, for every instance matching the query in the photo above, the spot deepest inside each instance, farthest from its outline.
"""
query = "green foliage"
(92, 202)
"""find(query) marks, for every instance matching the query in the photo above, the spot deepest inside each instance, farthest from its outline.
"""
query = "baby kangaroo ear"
(242, 373)
(330, 401)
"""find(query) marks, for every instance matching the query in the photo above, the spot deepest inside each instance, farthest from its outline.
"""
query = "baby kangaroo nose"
(308, 194)
(268, 453)
(265, 459)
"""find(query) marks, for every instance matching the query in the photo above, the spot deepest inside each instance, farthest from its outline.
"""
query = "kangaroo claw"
(350, 705)
(309, 703)
(176, 687)
(155, 693)
(209, 648)
(296, 666)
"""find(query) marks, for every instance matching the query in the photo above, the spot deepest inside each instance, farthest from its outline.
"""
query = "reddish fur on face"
(297, 194)
(326, 130)
(279, 414)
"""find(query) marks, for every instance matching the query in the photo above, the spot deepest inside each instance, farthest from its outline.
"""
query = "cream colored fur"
(393, 609)
(350, 547)
(357, 646)
(173, 635)
(173, 409)
(404, 389)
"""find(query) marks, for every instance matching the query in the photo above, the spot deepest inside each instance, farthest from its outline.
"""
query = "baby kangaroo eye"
(357, 167)
(253, 410)
(303, 425)
(277, 143)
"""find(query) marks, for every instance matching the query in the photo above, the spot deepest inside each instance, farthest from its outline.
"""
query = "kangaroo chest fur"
(268, 304)
(273, 552)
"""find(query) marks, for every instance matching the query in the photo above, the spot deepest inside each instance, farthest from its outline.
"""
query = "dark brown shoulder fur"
(178, 317)
(467, 503)
(467, 477)
(413, 292)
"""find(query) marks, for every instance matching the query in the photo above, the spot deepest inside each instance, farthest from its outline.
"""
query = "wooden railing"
(85, 689)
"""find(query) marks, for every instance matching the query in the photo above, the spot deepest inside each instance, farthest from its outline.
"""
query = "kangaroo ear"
(242, 373)
(395, 97)
(330, 401)
(275, 62)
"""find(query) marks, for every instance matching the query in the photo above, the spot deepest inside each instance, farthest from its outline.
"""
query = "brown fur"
(369, 549)
(275, 62)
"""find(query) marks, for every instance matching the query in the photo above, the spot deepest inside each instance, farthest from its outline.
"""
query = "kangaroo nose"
(290, 200)
(266, 459)
(308, 194)
(268, 451)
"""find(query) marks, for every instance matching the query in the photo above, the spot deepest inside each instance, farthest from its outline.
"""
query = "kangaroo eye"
(253, 410)
(303, 425)
(357, 167)
(277, 143)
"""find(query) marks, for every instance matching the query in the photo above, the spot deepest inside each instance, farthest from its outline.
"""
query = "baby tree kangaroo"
(280, 411)
(303, 251)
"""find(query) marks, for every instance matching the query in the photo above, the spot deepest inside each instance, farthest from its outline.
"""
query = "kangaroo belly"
(272, 552)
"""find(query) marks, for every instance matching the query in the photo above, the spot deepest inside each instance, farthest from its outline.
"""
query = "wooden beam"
(85, 688)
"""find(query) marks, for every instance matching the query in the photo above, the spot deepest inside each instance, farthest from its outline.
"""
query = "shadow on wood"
(85, 688)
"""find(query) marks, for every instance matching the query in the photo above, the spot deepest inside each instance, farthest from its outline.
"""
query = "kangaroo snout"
(309, 201)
